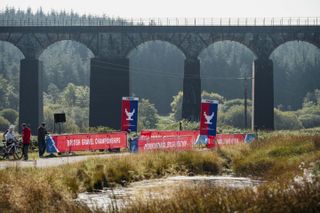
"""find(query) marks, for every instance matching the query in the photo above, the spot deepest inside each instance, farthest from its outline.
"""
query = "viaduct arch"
(111, 45)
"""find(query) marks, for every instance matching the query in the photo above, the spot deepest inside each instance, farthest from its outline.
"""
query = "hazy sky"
(177, 8)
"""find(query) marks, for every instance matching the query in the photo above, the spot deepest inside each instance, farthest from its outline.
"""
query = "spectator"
(42, 132)
(26, 136)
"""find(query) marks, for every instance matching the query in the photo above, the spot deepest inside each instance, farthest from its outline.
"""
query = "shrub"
(4, 124)
(235, 102)
(169, 124)
(213, 96)
(235, 117)
(10, 114)
(100, 129)
(310, 120)
(286, 120)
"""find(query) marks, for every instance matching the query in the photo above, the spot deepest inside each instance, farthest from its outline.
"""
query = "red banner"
(82, 142)
(166, 140)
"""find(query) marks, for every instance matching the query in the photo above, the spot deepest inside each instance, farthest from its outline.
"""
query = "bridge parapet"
(99, 21)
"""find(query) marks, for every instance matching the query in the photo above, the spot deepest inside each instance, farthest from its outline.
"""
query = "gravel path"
(54, 161)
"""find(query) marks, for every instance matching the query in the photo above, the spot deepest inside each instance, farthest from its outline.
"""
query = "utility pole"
(245, 102)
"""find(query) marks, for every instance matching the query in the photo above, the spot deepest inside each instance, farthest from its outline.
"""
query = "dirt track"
(54, 161)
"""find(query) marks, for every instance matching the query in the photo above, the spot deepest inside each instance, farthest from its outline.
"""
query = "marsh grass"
(53, 189)
(265, 198)
(276, 156)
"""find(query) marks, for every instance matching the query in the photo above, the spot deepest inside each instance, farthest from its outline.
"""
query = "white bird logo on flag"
(208, 117)
(129, 114)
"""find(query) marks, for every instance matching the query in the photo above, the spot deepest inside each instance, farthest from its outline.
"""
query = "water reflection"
(157, 188)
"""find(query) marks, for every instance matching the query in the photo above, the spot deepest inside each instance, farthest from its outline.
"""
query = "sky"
(175, 8)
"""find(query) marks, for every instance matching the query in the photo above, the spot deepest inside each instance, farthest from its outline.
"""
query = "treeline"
(13, 16)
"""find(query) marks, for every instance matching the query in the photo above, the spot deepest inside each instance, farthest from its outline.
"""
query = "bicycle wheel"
(18, 153)
(2, 153)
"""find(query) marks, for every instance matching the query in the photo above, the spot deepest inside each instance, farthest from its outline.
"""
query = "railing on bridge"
(87, 21)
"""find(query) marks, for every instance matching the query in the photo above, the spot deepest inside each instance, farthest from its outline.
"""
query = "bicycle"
(11, 149)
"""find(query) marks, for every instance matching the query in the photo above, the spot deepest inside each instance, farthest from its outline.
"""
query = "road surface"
(54, 161)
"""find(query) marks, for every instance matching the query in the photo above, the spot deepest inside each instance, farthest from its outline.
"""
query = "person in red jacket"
(26, 137)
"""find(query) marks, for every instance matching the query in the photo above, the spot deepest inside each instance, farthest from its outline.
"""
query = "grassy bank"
(266, 198)
(275, 157)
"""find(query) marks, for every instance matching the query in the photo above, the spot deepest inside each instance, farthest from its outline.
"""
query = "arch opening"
(156, 73)
(296, 72)
(10, 57)
(66, 77)
(226, 73)
(223, 65)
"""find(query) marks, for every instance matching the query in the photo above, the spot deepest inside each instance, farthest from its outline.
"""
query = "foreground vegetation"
(288, 162)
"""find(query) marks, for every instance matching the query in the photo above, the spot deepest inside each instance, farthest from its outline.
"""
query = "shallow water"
(156, 188)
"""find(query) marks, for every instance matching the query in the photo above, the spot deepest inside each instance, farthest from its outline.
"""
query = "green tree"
(176, 106)
(312, 97)
(69, 95)
(148, 115)
(10, 114)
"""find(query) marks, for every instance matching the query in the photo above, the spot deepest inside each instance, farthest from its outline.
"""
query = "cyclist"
(10, 136)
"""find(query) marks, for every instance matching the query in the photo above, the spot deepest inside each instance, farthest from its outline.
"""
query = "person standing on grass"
(42, 132)
(26, 137)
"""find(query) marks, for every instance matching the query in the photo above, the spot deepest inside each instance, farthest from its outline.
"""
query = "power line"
(146, 71)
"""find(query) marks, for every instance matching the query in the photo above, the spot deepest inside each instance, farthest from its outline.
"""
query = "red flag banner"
(83, 142)
(129, 114)
(166, 140)
(208, 117)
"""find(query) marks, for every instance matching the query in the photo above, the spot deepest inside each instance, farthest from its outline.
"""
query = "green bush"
(310, 120)
(100, 129)
(235, 102)
(168, 123)
(4, 124)
(10, 114)
(286, 120)
(213, 96)
(235, 117)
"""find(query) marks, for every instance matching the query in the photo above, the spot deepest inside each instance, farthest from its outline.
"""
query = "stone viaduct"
(109, 74)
